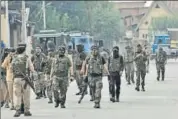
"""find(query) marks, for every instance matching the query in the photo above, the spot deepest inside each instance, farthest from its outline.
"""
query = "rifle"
(28, 82)
(84, 89)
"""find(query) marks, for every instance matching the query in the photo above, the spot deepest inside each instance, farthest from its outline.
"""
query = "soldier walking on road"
(129, 65)
(61, 66)
(20, 66)
(161, 60)
(116, 66)
(38, 60)
(94, 70)
(78, 61)
(47, 71)
(140, 62)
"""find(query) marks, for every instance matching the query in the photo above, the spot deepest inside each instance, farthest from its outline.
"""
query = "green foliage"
(97, 17)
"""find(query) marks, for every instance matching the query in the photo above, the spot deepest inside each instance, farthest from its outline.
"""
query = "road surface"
(160, 101)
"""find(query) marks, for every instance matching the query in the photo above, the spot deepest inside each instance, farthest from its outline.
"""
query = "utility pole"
(7, 17)
(0, 57)
(44, 15)
(24, 29)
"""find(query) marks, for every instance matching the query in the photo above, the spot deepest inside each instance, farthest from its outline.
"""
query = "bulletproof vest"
(37, 63)
(161, 57)
(140, 62)
(129, 57)
(61, 67)
(95, 65)
(114, 64)
(19, 65)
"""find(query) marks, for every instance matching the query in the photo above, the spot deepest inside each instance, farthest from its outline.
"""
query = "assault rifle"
(84, 89)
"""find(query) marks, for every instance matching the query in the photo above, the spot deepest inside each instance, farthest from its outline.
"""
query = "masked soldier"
(79, 58)
(140, 62)
(61, 66)
(129, 65)
(47, 74)
(94, 69)
(38, 60)
(116, 66)
(20, 66)
(161, 59)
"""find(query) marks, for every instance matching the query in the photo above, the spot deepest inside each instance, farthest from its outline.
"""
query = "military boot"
(63, 106)
(157, 78)
(163, 78)
(143, 88)
(57, 102)
(79, 93)
(27, 113)
(17, 113)
(92, 98)
(50, 100)
(137, 89)
(112, 99)
(7, 105)
(2, 103)
(38, 96)
(12, 108)
(97, 105)
(117, 97)
(44, 94)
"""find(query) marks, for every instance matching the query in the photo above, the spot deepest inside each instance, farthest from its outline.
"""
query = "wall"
(4, 29)
(155, 12)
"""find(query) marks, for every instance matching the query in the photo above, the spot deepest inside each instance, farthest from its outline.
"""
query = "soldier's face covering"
(20, 50)
(115, 52)
(61, 52)
(94, 52)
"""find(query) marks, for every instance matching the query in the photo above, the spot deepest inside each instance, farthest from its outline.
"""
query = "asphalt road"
(160, 101)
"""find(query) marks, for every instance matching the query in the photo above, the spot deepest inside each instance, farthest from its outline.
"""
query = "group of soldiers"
(53, 72)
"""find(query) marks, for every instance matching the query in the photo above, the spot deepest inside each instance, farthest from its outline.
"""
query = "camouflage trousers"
(21, 94)
(96, 85)
(48, 83)
(129, 70)
(39, 83)
(140, 74)
(160, 68)
(79, 80)
(60, 84)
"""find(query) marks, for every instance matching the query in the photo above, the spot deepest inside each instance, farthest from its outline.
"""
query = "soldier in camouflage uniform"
(78, 61)
(48, 81)
(38, 60)
(161, 60)
(61, 66)
(94, 64)
(115, 66)
(129, 65)
(140, 62)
